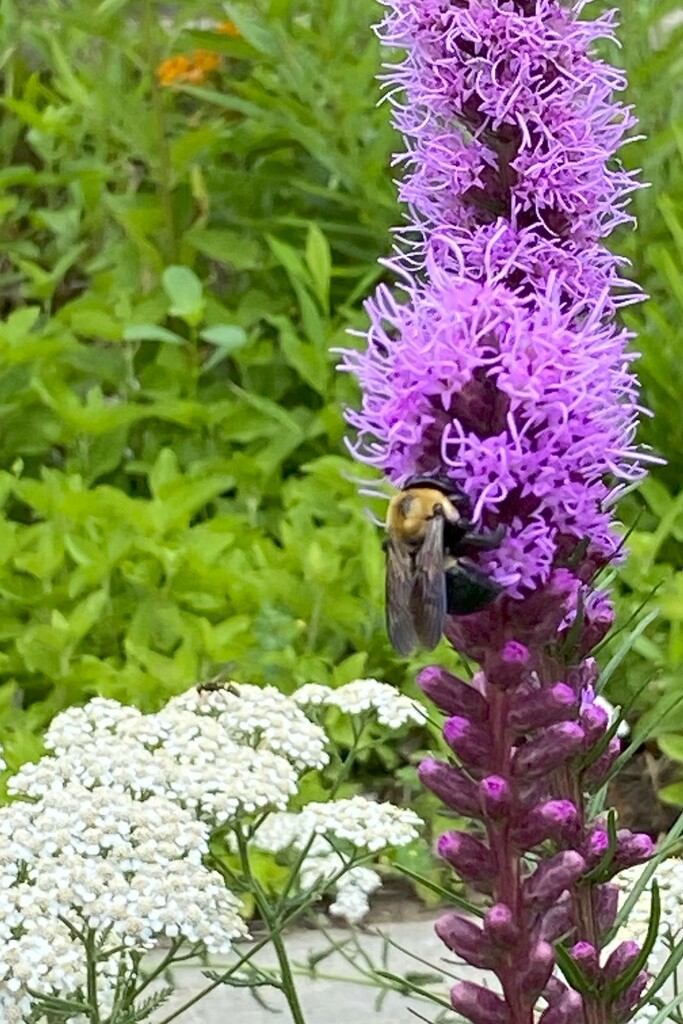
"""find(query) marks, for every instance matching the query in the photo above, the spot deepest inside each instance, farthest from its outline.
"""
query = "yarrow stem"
(501, 367)
(287, 984)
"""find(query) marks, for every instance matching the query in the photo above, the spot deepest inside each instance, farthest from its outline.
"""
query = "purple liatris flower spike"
(496, 362)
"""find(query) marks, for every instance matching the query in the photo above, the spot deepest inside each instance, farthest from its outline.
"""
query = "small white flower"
(392, 708)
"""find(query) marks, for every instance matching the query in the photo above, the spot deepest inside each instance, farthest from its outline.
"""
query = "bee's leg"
(469, 590)
(481, 541)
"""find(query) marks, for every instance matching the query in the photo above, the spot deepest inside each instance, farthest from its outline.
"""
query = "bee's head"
(450, 490)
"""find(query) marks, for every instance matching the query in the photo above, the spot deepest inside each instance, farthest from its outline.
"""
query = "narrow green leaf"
(152, 332)
(319, 262)
(447, 894)
(625, 648)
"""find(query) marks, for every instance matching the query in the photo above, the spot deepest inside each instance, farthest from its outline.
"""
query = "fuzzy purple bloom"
(480, 368)
(498, 363)
(470, 377)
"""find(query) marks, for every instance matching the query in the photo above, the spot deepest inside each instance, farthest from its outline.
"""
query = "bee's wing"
(428, 601)
(400, 581)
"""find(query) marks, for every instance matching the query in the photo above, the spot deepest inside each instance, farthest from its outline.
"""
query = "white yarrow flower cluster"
(362, 823)
(109, 841)
(392, 708)
(261, 717)
(99, 863)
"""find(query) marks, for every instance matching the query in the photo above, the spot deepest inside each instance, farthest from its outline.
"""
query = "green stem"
(162, 965)
(162, 152)
(287, 977)
(274, 925)
(340, 778)
(91, 962)
(219, 981)
(293, 916)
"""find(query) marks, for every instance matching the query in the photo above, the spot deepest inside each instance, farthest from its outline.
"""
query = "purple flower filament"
(498, 362)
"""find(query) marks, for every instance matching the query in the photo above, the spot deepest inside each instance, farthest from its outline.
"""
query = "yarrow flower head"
(392, 708)
(497, 364)
(111, 834)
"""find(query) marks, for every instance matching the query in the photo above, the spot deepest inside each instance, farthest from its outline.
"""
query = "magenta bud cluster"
(508, 747)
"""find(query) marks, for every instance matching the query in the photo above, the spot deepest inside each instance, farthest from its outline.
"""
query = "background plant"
(173, 270)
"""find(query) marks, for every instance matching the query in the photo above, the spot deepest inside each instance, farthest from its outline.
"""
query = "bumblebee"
(429, 530)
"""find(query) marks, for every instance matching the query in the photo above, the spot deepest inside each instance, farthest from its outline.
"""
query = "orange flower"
(173, 70)
(188, 70)
(228, 28)
(205, 60)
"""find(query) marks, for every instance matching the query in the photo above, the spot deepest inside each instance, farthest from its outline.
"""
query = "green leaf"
(671, 746)
(446, 894)
(226, 337)
(319, 263)
(672, 794)
(152, 332)
(233, 247)
(184, 290)
(290, 259)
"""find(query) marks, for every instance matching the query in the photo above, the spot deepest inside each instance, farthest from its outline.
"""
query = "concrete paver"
(329, 1000)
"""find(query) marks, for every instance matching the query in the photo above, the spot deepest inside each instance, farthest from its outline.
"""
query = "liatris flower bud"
(605, 906)
(586, 956)
(495, 796)
(552, 877)
(596, 846)
(542, 707)
(479, 1005)
(630, 997)
(472, 743)
(450, 785)
(597, 772)
(567, 1010)
(599, 619)
(548, 751)
(471, 859)
(500, 927)
(540, 964)
(452, 695)
(509, 666)
(557, 920)
(584, 677)
(632, 848)
(554, 991)
(466, 939)
(622, 957)
(594, 722)
(554, 819)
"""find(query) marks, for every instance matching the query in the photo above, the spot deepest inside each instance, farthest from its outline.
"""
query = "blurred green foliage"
(177, 259)
(649, 588)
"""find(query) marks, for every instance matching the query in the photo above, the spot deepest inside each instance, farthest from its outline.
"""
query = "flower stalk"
(500, 365)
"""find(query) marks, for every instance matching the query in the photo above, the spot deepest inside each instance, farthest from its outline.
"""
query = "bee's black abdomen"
(468, 590)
